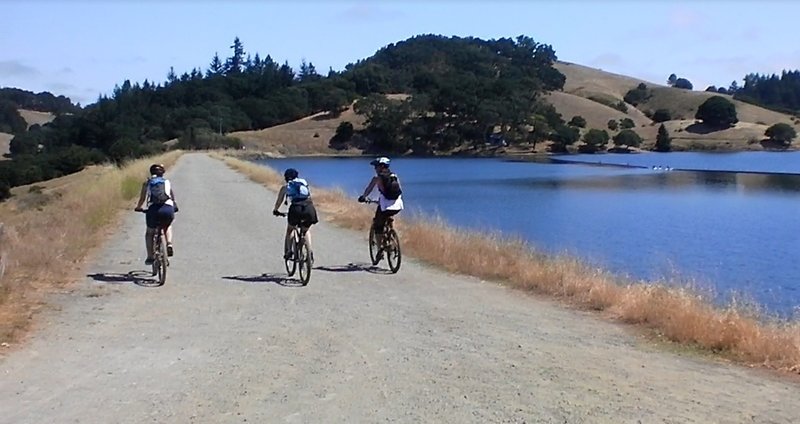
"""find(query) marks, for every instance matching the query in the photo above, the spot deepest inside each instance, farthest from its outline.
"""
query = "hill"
(588, 92)
(31, 117)
(34, 117)
(307, 136)
(5, 140)
(583, 83)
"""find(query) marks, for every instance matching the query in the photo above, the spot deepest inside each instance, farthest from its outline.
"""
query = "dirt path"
(226, 341)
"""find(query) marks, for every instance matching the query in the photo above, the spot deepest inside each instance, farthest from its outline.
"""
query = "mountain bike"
(301, 256)
(160, 257)
(389, 246)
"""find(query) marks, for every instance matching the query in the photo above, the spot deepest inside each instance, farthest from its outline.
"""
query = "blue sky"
(83, 48)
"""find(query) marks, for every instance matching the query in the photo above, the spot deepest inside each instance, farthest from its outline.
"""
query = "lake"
(729, 232)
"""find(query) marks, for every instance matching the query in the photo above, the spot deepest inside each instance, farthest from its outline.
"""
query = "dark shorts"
(159, 216)
(379, 221)
(302, 214)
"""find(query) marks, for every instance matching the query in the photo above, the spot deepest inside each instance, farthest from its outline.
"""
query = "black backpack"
(158, 190)
(391, 186)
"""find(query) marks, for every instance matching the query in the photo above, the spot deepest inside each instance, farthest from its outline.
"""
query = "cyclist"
(161, 208)
(390, 199)
(302, 212)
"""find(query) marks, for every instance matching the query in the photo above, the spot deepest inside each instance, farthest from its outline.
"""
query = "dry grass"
(596, 115)
(584, 82)
(51, 226)
(5, 142)
(306, 136)
(674, 313)
(35, 117)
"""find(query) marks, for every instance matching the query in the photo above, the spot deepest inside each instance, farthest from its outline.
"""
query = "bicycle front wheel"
(291, 263)
(374, 249)
(304, 261)
(393, 254)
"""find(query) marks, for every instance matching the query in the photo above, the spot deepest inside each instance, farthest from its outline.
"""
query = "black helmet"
(156, 169)
(290, 174)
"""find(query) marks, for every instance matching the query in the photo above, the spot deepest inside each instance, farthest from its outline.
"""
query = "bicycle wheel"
(393, 254)
(155, 266)
(160, 262)
(304, 261)
(374, 250)
(291, 264)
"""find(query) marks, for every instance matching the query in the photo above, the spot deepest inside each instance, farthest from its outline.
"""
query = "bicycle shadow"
(281, 280)
(354, 267)
(138, 277)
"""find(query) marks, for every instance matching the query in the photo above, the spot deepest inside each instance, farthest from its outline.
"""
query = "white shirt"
(390, 205)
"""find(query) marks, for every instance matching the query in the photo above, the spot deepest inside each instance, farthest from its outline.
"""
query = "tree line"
(462, 89)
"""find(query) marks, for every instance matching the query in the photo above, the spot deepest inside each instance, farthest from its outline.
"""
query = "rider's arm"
(172, 196)
(279, 200)
(370, 186)
(142, 196)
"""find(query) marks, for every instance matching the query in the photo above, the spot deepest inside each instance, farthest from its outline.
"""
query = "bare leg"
(169, 235)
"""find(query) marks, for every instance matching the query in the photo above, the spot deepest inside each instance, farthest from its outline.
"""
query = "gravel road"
(229, 339)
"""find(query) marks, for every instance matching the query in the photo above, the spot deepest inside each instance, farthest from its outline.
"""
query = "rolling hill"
(32, 117)
(588, 92)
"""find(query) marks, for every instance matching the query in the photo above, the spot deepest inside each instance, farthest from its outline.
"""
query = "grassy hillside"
(5, 139)
(306, 136)
(31, 117)
(35, 117)
(588, 92)
(584, 82)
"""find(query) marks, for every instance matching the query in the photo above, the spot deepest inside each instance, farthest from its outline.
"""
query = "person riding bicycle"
(390, 199)
(161, 208)
(302, 212)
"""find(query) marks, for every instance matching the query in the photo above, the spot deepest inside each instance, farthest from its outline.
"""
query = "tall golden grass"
(674, 313)
(50, 227)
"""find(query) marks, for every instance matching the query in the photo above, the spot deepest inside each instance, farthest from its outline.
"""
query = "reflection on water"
(728, 231)
(674, 180)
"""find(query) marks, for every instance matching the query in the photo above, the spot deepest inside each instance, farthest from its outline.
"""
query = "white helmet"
(383, 160)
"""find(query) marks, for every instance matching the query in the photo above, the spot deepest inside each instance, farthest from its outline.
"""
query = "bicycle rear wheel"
(304, 261)
(393, 254)
(374, 249)
(291, 263)
(160, 262)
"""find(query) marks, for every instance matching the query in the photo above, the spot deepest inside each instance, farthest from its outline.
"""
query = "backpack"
(391, 186)
(297, 189)
(158, 190)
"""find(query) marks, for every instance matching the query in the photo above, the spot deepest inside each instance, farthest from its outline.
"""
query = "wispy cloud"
(15, 68)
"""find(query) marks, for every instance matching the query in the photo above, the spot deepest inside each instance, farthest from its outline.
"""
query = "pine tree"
(216, 67)
(235, 63)
(663, 141)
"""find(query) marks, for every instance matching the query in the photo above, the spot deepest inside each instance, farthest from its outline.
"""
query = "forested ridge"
(461, 89)
(449, 93)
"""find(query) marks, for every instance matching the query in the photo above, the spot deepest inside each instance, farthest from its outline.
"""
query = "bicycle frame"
(301, 253)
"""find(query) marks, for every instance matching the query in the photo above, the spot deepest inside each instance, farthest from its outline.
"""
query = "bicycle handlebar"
(279, 214)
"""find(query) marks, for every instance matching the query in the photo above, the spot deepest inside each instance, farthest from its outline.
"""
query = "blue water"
(725, 232)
